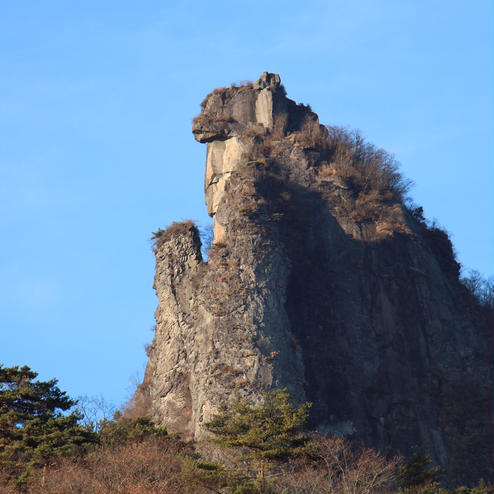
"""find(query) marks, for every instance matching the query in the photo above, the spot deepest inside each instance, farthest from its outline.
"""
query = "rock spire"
(320, 280)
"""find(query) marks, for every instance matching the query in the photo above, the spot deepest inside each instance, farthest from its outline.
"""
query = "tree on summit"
(34, 423)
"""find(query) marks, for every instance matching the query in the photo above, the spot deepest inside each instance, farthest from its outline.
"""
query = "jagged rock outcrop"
(322, 281)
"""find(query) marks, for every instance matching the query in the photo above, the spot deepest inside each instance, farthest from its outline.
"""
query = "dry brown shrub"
(139, 405)
(244, 84)
(369, 168)
(311, 135)
(325, 170)
(218, 90)
(341, 468)
(253, 131)
(231, 91)
(161, 236)
(370, 175)
(149, 466)
(5, 486)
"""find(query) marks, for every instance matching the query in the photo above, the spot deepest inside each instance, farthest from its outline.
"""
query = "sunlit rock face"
(319, 280)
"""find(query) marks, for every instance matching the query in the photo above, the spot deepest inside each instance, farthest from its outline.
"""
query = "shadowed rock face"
(321, 281)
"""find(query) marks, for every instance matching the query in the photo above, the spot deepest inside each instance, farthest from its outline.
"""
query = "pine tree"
(35, 425)
(267, 433)
(418, 476)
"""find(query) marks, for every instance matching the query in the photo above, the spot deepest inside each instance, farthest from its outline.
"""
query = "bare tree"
(342, 467)
(94, 410)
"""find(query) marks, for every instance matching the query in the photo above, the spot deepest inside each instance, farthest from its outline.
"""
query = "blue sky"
(96, 150)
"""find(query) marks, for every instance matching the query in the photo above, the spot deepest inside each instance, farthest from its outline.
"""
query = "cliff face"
(321, 281)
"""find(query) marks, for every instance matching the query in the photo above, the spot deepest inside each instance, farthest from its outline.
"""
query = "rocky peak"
(256, 108)
(242, 124)
(267, 79)
(322, 281)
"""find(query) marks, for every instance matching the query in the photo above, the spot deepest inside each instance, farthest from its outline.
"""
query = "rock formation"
(320, 280)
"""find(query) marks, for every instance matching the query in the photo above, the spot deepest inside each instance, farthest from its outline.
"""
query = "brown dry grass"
(161, 236)
(154, 465)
